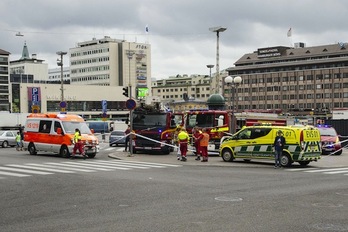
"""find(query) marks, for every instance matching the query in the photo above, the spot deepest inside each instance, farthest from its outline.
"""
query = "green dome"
(216, 102)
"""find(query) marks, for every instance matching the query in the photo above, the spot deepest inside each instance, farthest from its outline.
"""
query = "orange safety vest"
(204, 140)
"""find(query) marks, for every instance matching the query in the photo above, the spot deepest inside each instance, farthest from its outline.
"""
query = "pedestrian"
(279, 143)
(21, 128)
(78, 145)
(18, 141)
(183, 138)
(203, 144)
(176, 142)
(127, 133)
(195, 134)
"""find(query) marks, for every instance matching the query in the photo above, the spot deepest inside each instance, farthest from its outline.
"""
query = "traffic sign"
(131, 104)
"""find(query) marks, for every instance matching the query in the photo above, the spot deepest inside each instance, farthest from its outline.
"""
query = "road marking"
(145, 163)
(93, 164)
(12, 174)
(329, 169)
(25, 171)
(32, 166)
(66, 168)
(76, 166)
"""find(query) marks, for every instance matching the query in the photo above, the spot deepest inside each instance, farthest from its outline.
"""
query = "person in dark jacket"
(279, 143)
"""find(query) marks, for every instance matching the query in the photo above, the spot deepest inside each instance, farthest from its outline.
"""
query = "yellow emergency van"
(256, 142)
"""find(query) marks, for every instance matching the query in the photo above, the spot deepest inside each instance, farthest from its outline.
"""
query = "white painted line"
(118, 165)
(28, 166)
(66, 168)
(328, 170)
(25, 171)
(75, 166)
(336, 172)
(92, 164)
(138, 162)
(13, 174)
(127, 163)
(300, 169)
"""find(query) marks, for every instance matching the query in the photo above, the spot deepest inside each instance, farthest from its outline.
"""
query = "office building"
(4, 81)
(298, 80)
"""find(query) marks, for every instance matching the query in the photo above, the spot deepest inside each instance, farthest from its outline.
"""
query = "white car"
(8, 138)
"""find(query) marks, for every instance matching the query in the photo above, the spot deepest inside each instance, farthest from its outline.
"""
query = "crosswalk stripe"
(329, 169)
(145, 163)
(29, 166)
(92, 164)
(25, 171)
(336, 172)
(13, 174)
(120, 165)
(66, 168)
(127, 165)
(76, 166)
(301, 169)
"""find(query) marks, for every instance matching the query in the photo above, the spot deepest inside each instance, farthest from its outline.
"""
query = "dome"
(216, 102)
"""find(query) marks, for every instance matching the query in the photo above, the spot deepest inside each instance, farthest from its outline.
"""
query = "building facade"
(296, 79)
(111, 62)
(4, 81)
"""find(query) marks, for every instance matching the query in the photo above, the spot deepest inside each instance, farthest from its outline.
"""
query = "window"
(45, 126)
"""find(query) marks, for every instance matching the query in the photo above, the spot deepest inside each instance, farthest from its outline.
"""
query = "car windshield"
(325, 131)
(149, 119)
(70, 127)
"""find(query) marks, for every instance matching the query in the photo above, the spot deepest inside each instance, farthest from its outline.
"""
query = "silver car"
(8, 138)
(117, 137)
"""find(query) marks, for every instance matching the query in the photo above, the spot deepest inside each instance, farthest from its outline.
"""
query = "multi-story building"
(27, 65)
(54, 75)
(4, 81)
(183, 92)
(293, 79)
(111, 62)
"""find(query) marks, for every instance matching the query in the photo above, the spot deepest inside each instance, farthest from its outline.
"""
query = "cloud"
(178, 30)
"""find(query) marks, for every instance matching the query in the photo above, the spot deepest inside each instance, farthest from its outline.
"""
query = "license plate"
(148, 148)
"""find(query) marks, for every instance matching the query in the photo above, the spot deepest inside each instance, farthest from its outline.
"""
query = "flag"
(147, 28)
(289, 32)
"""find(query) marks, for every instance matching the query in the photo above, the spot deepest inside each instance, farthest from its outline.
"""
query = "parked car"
(8, 138)
(330, 140)
(117, 137)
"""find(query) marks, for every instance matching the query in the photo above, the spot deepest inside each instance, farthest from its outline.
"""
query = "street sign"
(131, 104)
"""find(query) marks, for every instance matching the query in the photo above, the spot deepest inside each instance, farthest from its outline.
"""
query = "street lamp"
(210, 66)
(217, 30)
(130, 56)
(60, 63)
(233, 84)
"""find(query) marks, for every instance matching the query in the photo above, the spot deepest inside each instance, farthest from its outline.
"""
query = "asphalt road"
(159, 193)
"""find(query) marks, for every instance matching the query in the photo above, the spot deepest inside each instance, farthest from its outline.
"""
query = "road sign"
(104, 106)
(131, 104)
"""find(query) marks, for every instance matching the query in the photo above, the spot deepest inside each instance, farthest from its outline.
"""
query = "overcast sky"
(178, 29)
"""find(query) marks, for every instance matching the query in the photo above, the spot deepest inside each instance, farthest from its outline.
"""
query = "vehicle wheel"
(303, 163)
(227, 155)
(32, 149)
(91, 155)
(4, 144)
(339, 152)
(285, 160)
(110, 145)
(64, 152)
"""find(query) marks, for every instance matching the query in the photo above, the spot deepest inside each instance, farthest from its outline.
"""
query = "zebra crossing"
(76, 166)
(328, 171)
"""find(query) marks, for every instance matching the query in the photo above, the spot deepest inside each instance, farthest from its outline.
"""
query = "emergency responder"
(195, 134)
(203, 144)
(183, 139)
(278, 144)
(78, 145)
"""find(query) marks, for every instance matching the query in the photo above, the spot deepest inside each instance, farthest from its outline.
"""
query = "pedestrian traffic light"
(125, 91)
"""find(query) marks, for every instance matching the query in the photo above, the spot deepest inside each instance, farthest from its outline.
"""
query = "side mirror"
(59, 131)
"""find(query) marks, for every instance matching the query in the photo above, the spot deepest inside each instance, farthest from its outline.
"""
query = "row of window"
(90, 69)
(181, 96)
(90, 52)
(256, 80)
(182, 89)
(295, 106)
(91, 78)
(90, 61)
(87, 106)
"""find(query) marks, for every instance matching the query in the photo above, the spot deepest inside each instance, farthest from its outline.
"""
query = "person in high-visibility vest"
(183, 139)
(203, 144)
(78, 145)
(196, 132)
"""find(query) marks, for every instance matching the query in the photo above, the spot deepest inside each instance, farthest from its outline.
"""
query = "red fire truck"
(155, 128)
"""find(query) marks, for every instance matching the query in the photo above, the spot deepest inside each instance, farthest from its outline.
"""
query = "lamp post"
(60, 63)
(217, 79)
(233, 84)
(130, 56)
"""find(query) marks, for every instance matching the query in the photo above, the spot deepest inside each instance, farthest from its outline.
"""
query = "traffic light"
(125, 91)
